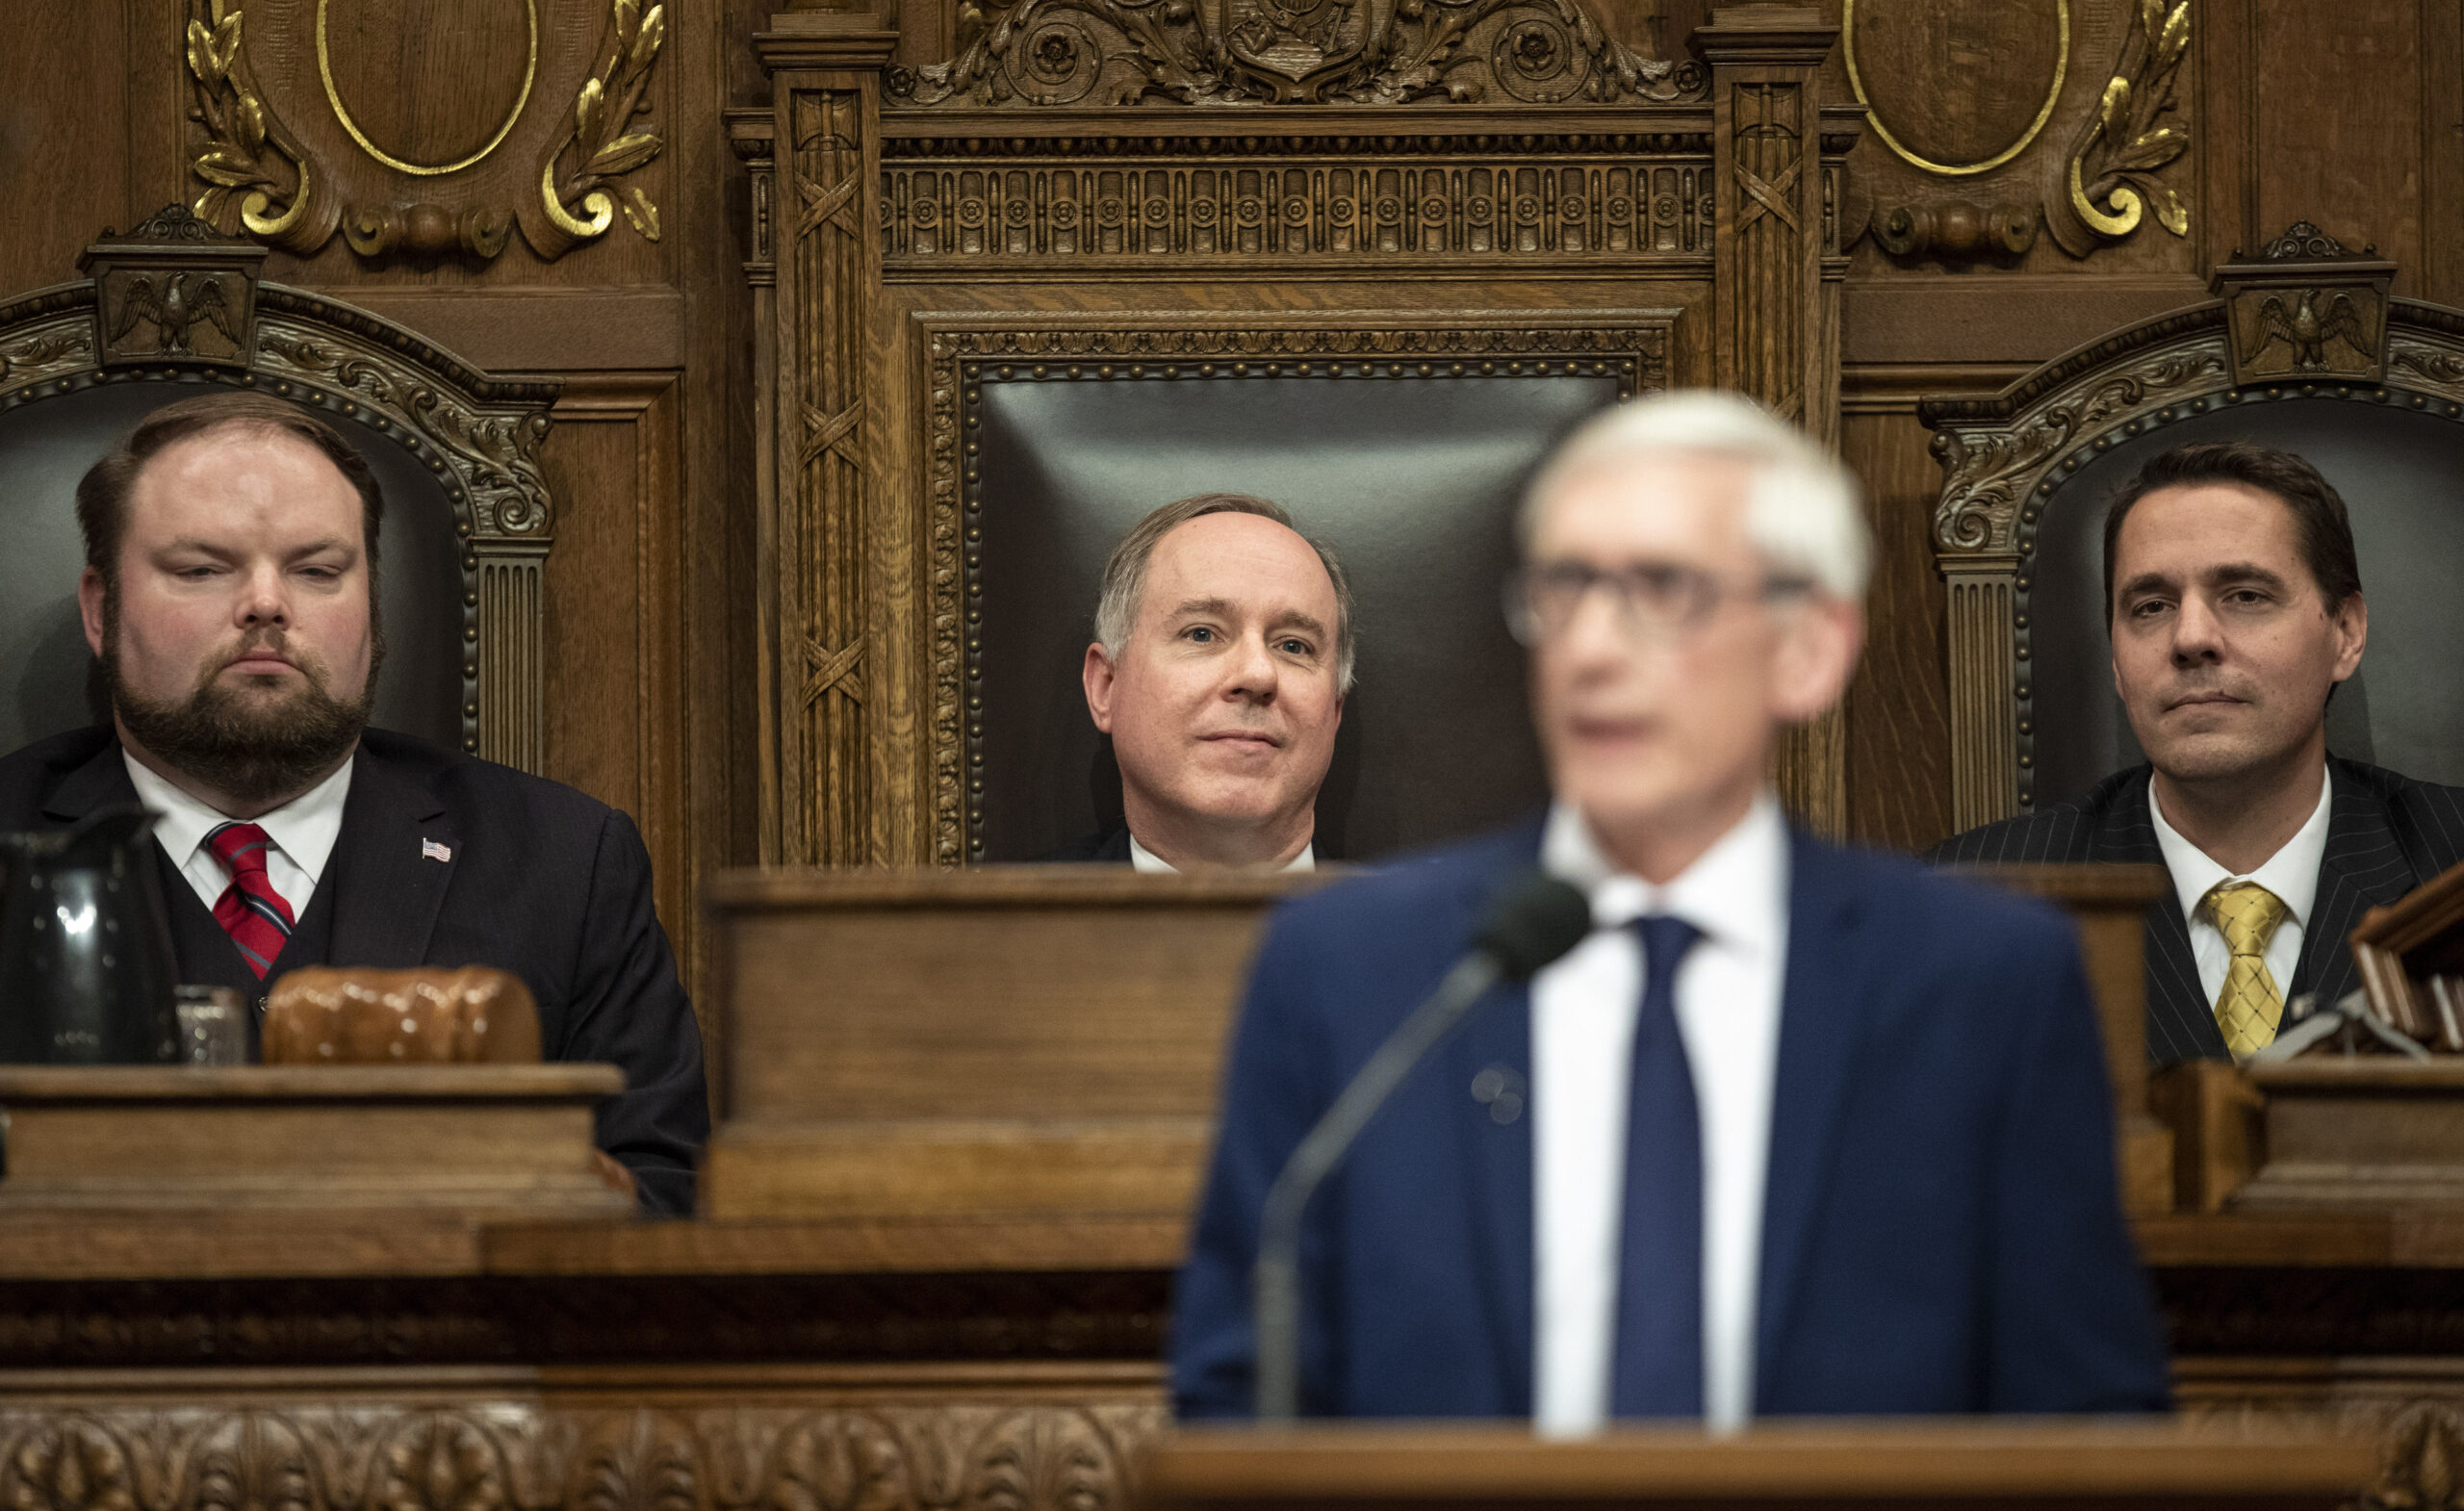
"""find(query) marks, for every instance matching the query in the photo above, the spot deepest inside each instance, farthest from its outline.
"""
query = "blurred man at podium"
(1796, 1130)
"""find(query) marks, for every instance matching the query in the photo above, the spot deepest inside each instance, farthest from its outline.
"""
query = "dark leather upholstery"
(1411, 480)
(46, 446)
(2401, 474)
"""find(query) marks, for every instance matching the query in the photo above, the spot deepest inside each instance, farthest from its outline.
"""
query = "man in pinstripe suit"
(2234, 603)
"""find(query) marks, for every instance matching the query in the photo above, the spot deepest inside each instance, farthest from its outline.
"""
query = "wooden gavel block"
(326, 1016)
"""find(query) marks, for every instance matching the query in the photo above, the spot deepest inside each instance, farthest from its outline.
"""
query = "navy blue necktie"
(1658, 1361)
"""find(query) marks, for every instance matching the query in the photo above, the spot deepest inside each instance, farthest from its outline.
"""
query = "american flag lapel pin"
(430, 850)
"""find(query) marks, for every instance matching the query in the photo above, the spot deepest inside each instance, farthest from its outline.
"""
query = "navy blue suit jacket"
(1941, 1233)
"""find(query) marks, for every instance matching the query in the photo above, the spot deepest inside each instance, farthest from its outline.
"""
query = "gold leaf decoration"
(243, 149)
(602, 143)
(2109, 182)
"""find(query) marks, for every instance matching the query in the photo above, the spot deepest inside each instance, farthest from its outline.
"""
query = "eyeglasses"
(1654, 600)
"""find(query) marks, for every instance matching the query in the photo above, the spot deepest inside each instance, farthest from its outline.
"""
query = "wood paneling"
(1899, 772)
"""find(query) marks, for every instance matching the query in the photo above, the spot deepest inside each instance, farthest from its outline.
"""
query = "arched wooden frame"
(479, 434)
(2004, 456)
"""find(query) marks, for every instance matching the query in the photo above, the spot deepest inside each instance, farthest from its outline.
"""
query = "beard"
(255, 749)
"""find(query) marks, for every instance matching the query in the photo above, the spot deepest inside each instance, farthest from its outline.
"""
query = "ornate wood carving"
(1455, 199)
(2003, 456)
(1028, 53)
(1632, 345)
(2306, 309)
(480, 435)
(2109, 181)
(825, 531)
(2062, 116)
(281, 156)
(511, 1453)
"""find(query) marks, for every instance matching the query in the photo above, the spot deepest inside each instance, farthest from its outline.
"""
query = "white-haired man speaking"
(1796, 1130)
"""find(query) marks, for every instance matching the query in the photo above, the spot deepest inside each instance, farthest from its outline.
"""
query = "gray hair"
(1125, 572)
(1803, 509)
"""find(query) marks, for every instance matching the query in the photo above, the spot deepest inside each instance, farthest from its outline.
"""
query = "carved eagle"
(174, 310)
(2306, 330)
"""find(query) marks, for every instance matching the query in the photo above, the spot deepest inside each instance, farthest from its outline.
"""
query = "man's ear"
(1099, 675)
(92, 596)
(1818, 651)
(2352, 633)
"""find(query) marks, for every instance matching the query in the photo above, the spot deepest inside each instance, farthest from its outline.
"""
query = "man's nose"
(1254, 675)
(2199, 635)
(263, 599)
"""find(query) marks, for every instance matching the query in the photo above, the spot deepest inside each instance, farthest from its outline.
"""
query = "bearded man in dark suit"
(229, 593)
(2233, 597)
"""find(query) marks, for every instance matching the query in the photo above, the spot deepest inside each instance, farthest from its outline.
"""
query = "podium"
(2005, 1464)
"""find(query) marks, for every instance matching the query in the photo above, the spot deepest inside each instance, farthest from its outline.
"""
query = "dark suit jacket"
(1941, 1233)
(1108, 849)
(544, 882)
(2386, 835)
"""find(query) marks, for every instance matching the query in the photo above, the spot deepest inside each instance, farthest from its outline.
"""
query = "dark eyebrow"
(2245, 572)
(2144, 583)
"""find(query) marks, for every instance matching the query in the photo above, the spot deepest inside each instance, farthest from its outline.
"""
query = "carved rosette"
(507, 1456)
(1629, 346)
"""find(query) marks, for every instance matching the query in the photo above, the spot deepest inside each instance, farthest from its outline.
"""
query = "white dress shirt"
(299, 835)
(2292, 874)
(1153, 864)
(1584, 1010)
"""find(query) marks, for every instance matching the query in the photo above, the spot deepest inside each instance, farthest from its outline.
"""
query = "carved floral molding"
(510, 1455)
(1364, 52)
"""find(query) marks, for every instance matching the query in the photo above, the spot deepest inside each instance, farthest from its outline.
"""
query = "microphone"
(1533, 920)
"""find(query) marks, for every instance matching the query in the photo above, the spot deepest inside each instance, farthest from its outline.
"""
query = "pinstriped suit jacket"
(2386, 835)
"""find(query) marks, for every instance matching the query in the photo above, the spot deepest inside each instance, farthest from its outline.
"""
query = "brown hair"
(1125, 571)
(103, 492)
(2319, 519)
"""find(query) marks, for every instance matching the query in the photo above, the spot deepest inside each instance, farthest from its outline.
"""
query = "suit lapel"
(2363, 867)
(387, 883)
(1823, 1005)
(1497, 1157)
(101, 782)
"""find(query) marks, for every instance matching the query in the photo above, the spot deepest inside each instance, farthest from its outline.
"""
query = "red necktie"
(249, 909)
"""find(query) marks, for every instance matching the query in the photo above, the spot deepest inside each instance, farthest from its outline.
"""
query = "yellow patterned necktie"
(2250, 1006)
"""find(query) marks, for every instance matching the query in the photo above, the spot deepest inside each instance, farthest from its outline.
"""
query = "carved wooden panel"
(309, 116)
(1455, 199)
(480, 1452)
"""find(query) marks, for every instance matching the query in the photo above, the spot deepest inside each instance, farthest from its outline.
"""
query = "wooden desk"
(1938, 1465)
(1001, 1359)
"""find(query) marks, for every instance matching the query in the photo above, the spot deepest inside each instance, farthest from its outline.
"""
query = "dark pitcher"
(85, 963)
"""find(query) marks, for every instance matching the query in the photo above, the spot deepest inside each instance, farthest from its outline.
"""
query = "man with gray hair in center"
(1794, 1130)
(1222, 651)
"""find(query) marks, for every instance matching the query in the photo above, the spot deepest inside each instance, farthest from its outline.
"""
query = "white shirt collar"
(1147, 861)
(303, 829)
(1736, 892)
(2291, 873)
